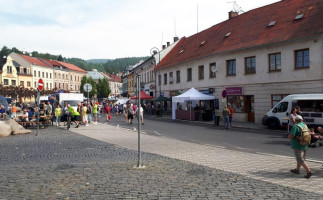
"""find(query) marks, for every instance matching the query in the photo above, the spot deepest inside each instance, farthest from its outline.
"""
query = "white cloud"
(107, 28)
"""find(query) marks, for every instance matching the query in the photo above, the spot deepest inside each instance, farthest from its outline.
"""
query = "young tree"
(103, 88)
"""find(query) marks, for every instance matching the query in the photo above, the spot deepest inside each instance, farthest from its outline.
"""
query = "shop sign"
(234, 90)
(152, 86)
(174, 93)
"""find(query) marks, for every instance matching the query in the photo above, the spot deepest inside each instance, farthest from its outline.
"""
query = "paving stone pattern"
(61, 164)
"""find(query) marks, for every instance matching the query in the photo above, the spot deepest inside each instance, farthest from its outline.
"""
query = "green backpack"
(305, 138)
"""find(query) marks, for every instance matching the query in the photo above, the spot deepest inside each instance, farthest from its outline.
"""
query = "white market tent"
(191, 95)
(122, 101)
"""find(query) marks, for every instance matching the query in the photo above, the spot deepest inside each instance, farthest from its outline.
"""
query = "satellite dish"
(214, 69)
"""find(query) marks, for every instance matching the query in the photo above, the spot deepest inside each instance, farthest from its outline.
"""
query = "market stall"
(191, 97)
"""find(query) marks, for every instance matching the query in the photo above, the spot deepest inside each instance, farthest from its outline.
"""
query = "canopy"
(161, 98)
(143, 95)
(122, 101)
(192, 95)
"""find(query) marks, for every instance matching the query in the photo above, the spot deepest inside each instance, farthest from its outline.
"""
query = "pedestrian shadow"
(286, 174)
(286, 143)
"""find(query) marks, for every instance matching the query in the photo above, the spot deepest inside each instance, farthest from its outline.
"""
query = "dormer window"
(272, 23)
(181, 51)
(202, 43)
(299, 16)
(227, 35)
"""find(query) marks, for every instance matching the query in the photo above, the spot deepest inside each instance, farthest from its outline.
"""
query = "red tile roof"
(71, 66)
(33, 61)
(114, 77)
(251, 29)
(53, 62)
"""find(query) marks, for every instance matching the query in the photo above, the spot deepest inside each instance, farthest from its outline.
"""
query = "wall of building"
(263, 83)
(13, 76)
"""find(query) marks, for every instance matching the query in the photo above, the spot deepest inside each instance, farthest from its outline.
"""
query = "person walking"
(292, 117)
(13, 111)
(108, 111)
(226, 114)
(58, 113)
(299, 150)
(65, 113)
(95, 112)
(231, 114)
(141, 111)
(130, 114)
(85, 115)
(49, 108)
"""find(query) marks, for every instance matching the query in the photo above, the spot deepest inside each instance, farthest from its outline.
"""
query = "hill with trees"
(105, 65)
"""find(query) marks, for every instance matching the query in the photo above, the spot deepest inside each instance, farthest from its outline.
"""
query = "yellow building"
(8, 72)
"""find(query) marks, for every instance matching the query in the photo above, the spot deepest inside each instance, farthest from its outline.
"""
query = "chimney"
(164, 47)
(233, 14)
(175, 39)
(168, 44)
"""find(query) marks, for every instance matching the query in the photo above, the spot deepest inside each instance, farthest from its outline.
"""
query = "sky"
(108, 29)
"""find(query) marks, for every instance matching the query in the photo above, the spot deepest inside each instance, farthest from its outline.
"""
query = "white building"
(257, 57)
(37, 68)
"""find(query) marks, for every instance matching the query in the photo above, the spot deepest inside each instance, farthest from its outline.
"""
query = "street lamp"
(153, 52)
(115, 87)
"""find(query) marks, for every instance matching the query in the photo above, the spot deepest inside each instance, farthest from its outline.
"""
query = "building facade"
(253, 60)
(8, 72)
(74, 76)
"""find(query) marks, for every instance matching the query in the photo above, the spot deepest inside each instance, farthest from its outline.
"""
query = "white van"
(311, 106)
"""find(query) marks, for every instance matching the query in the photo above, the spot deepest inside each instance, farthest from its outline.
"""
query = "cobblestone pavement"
(61, 164)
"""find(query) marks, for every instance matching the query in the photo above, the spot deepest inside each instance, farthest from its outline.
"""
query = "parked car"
(311, 106)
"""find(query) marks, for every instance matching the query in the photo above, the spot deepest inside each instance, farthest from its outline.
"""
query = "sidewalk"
(235, 124)
(268, 168)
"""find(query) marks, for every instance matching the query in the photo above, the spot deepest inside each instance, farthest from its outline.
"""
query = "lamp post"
(115, 87)
(153, 52)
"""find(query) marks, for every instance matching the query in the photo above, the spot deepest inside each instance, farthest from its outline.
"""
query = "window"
(25, 71)
(71, 80)
(165, 79)
(35, 74)
(63, 85)
(9, 69)
(39, 74)
(56, 85)
(276, 98)
(274, 62)
(50, 75)
(28, 71)
(250, 65)
(282, 107)
(46, 86)
(63, 75)
(75, 79)
(212, 66)
(22, 83)
(46, 74)
(171, 78)
(59, 76)
(201, 72)
(51, 86)
(21, 70)
(189, 74)
(231, 67)
(5, 82)
(13, 82)
(43, 75)
(302, 59)
(28, 84)
(159, 79)
(35, 84)
(236, 102)
(178, 76)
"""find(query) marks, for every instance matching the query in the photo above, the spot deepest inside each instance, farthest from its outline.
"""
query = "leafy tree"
(85, 80)
(60, 58)
(103, 88)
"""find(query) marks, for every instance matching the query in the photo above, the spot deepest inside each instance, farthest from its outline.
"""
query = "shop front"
(243, 105)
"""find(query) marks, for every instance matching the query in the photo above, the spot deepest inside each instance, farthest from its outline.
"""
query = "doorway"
(249, 107)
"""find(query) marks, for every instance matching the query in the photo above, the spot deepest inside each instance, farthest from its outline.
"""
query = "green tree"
(103, 88)
(60, 58)
(85, 80)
